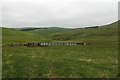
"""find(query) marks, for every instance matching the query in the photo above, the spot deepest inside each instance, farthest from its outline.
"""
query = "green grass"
(16, 36)
(98, 60)
(0, 52)
(105, 34)
(47, 31)
(68, 61)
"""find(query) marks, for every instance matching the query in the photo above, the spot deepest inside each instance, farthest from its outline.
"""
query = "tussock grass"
(60, 61)
(98, 60)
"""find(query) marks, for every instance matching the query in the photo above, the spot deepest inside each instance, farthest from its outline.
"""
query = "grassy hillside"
(45, 31)
(98, 60)
(107, 33)
(12, 35)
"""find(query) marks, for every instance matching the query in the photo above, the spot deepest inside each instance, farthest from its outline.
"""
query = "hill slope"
(89, 61)
(45, 31)
(102, 34)
(12, 35)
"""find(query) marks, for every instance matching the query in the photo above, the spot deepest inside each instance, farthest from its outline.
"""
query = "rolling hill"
(102, 34)
(106, 33)
(12, 35)
(84, 61)
(45, 31)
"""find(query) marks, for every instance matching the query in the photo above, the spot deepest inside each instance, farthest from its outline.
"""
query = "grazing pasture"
(61, 61)
(97, 60)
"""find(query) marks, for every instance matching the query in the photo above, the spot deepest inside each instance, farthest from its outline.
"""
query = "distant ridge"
(90, 34)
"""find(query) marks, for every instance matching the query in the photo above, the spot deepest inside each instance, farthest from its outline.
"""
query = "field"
(98, 60)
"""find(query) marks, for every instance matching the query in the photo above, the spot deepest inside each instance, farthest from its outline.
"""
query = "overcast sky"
(61, 13)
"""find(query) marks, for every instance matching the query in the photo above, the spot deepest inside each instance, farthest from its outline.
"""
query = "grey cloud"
(66, 13)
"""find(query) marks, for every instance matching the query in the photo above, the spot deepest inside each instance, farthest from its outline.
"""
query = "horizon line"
(57, 26)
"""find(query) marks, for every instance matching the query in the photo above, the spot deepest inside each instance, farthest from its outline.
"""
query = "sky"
(58, 13)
